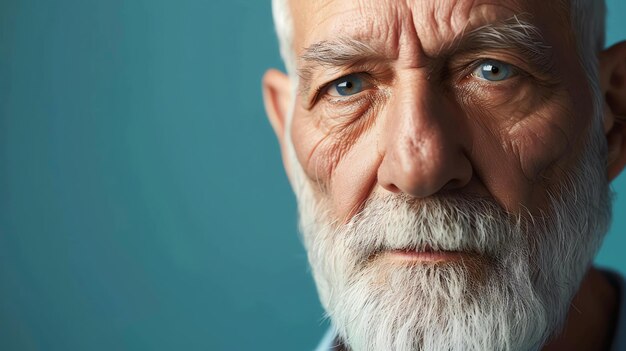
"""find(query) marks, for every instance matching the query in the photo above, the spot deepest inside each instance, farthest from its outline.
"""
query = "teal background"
(143, 204)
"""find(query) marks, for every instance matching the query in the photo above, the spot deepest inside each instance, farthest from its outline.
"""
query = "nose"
(424, 143)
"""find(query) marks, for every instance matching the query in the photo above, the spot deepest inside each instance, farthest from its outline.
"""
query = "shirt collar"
(328, 341)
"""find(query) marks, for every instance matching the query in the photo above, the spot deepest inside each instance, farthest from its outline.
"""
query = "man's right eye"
(349, 85)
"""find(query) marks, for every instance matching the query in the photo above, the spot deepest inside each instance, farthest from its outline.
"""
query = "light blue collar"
(328, 341)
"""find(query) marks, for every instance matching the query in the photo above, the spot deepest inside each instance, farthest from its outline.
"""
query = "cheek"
(310, 145)
(340, 161)
(355, 177)
(519, 149)
(551, 138)
(538, 146)
(539, 143)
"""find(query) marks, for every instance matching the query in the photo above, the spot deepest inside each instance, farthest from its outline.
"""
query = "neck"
(592, 316)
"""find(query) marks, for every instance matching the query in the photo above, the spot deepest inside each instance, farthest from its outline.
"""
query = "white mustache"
(460, 223)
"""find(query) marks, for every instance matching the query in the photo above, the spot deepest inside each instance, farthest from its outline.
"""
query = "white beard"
(514, 296)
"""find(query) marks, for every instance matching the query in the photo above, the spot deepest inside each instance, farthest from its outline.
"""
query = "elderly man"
(451, 161)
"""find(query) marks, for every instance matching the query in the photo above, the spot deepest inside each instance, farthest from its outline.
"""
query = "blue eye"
(493, 71)
(346, 86)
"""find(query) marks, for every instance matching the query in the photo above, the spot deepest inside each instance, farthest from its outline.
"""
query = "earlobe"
(613, 84)
(277, 99)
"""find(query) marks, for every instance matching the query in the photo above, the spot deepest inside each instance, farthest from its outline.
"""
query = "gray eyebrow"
(337, 52)
(512, 34)
(341, 52)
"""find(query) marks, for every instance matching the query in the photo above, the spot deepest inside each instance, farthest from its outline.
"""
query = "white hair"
(283, 22)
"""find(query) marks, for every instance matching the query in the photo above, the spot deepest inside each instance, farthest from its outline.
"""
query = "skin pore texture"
(442, 210)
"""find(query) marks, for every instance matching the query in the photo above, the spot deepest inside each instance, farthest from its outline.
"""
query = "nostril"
(392, 188)
(453, 184)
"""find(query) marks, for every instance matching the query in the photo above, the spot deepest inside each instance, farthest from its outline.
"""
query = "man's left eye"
(494, 71)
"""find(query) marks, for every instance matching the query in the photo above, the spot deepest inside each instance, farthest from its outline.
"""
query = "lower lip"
(427, 256)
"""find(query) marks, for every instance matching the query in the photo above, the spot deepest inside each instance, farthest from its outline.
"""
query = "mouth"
(426, 256)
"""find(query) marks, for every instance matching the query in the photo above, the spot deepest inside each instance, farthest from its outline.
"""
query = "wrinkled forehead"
(432, 23)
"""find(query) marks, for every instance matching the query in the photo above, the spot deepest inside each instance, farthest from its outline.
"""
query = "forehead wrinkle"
(363, 20)
(444, 25)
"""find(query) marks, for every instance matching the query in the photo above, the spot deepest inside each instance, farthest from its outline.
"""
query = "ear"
(277, 99)
(613, 85)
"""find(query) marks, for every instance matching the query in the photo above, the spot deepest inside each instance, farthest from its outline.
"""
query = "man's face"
(427, 115)
(449, 168)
